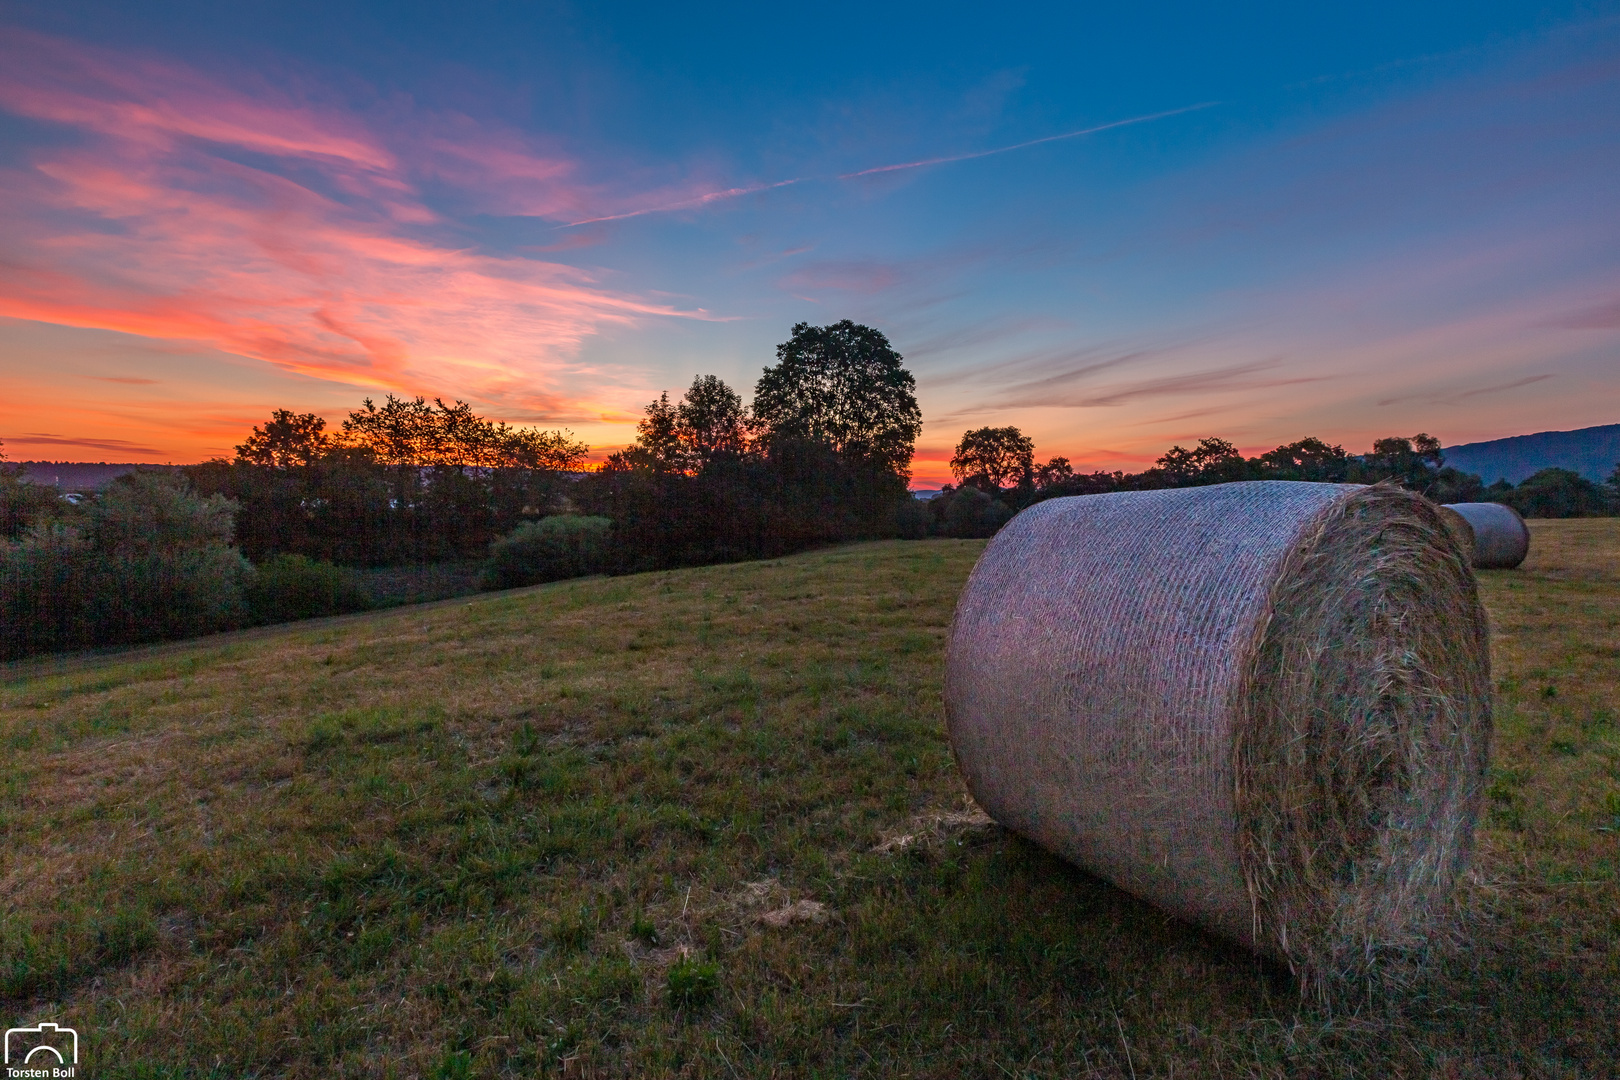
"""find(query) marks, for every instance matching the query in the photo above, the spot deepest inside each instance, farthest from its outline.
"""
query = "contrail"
(1032, 142)
(701, 200)
(738, 192)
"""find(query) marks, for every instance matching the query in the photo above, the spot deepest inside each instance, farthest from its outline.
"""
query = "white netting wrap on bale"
(1501, 538)
(1263, 707)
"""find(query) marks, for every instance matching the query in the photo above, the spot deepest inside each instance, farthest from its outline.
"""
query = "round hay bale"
(1263, 707)
(1501, 539)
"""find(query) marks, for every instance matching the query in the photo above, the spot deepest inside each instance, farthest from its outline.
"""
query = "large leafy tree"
(992, 458)
(843, 386)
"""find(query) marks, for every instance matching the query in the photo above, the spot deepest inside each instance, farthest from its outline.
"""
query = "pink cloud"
(293, 233)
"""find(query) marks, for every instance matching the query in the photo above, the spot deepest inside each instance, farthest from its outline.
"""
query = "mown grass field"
(705, 824)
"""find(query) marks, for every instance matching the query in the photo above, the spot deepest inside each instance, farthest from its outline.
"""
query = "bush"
(149, 561)
(162, 595)
(912, 519)
(289, 587)
(553, 548)
(23, 503)
(969, 513)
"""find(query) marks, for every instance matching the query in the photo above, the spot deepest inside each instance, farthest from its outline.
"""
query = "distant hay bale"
(1500, 537)
(1263, 707)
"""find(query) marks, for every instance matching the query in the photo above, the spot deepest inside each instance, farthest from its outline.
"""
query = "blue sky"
(1347, 221)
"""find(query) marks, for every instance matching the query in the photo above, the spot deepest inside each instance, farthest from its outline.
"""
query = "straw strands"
(1500, 537)
(1264, 707)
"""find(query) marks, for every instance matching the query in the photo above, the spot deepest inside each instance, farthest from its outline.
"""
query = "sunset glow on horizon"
(1117, 236)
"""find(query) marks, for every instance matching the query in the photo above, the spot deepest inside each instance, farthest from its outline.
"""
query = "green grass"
(541, 832)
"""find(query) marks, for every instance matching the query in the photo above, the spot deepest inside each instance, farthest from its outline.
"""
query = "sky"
(1117, 228)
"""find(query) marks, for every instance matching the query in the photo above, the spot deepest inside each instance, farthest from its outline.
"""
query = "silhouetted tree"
(694, 489)
(1451, 485)
(287, 440)
(709, 424)
(410, 433)
(1305, 459)
(1212, 461)
(659, 435)
(1412, 462)
(991, 458)
(1054, 473)
(400, 434)
(711, 421)
(843, 386)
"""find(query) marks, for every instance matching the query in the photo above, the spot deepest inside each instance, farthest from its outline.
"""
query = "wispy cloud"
(1193, 414)
(111, 446)
(775, 257)
(1039, 370)
(1069, 388)
(864, 276)
(996, 330)
(1454, 399)
(1232, 377)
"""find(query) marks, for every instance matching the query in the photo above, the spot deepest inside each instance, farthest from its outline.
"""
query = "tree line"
(405, 481)
(821, 453)
(997, 475)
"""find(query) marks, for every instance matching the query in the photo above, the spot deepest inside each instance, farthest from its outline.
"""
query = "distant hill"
(1593, 452)
(81, 475)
